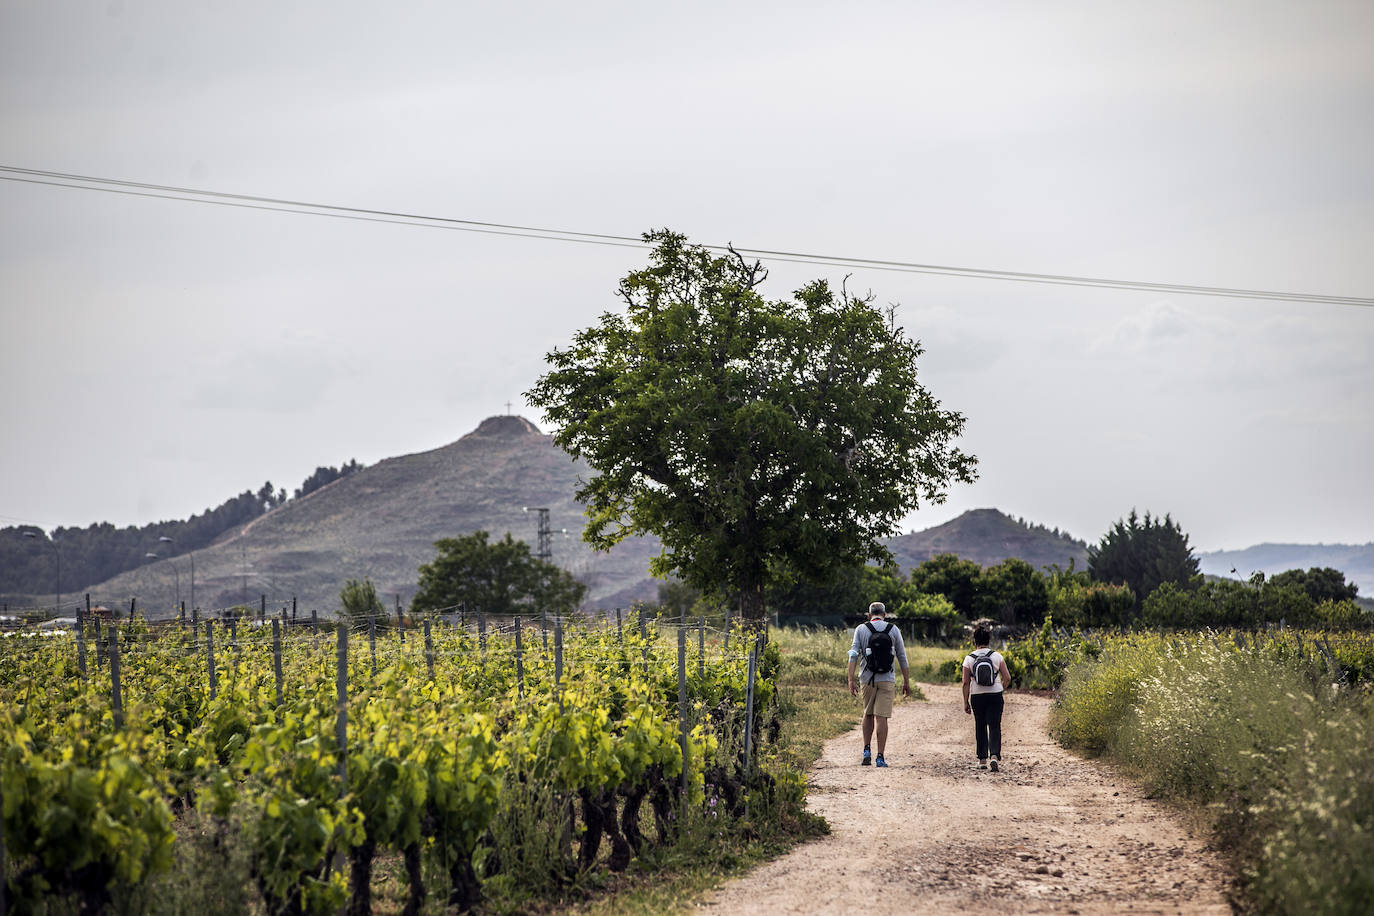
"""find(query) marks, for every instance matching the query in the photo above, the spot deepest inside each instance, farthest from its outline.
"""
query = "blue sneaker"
(880, 762)
(868, 758)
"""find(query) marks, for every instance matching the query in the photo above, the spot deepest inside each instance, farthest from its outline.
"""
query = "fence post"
(558, 660)
(341, 725)
(619, 629)
(81, 664)
(544, 627)
(701, 648)
(429, 650)
(116, 695)
(749, 708)
(195, 630)
(210, 656)
(682, 705)
(99, 647)
(482, 633)
(644, 636)
(234, 646)
(262, 610)
(519, 661)
(276, 655)
(372, 639)
(727, 628)
(314, 621)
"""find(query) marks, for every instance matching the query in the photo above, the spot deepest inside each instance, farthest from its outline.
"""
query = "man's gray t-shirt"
(859, 650)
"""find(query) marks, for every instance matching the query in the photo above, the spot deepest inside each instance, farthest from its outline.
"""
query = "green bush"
(1255, 730)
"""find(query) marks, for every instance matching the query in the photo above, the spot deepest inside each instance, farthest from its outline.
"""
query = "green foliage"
(439, 765)
(956, 579)
(1143, 554)
(1076, 601)
(324, 476)
(1320, 584)
(849, 590)
(359, 601)
(1012, 592)
(1253, 729)
(1247, 605)
(929, 607)
(500, 578)
(757, 439)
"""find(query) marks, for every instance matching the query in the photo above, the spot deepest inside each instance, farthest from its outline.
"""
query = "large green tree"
(759, 440)
(500, 577)
(949, 575)
(1143, 554)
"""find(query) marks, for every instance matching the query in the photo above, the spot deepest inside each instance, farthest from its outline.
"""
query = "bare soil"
(1052, 833)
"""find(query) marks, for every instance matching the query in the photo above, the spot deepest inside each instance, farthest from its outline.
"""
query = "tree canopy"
(757, 439)
(1143, 554)
(500, 577)
(359, 600)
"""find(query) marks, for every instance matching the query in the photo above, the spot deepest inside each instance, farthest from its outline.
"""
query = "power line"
(308, 208)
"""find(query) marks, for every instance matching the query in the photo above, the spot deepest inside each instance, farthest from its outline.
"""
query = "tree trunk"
(752, 610)
(593, 820)
(415, 901)
(360, 876)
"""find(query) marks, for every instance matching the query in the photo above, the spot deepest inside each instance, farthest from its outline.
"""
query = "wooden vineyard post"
(619, 629)
(80, 658)
(644, 636)
(210, 656)
(482, 634)
(558, 661)
(749, 707)
(372, 639)
(400, 621)
(727, 628)
(234, 647)
(195, 630)
(519, 661)
(341, 724)
(314, 621)
(701, 648)
(429, 650)
(544, 627)
(276, 656)
(99, 647)
(682, 704)
(116, 696)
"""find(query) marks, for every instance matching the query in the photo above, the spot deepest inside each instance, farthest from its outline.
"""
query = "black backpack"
(984, 670)
(880, 654)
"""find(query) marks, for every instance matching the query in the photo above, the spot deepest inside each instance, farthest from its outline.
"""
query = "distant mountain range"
(1355, 560)
(381, 523)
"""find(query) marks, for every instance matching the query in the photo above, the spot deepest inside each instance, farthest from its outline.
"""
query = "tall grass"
(1277, 754)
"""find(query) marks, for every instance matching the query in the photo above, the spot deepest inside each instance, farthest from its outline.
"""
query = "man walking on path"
(985, 676)
(879, 645)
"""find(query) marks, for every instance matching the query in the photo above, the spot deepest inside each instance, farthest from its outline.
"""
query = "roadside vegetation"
(1269, 736)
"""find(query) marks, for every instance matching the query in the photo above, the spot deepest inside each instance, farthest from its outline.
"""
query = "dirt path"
(1051, 833)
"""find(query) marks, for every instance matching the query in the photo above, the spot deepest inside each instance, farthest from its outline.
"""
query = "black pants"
(987, 723)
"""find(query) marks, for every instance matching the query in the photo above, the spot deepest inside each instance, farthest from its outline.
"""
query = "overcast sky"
(158, 357)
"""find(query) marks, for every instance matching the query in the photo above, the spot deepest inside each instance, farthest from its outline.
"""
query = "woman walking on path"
(985, 677)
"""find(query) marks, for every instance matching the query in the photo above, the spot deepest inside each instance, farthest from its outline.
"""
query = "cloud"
(1158, 324)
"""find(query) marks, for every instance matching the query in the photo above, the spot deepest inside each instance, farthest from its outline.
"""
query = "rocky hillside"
(381, 522)
(988, 537)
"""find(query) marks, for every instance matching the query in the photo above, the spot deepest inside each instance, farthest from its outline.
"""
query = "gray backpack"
(984, 669)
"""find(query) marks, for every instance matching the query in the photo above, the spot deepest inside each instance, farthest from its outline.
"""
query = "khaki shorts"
(878, 698)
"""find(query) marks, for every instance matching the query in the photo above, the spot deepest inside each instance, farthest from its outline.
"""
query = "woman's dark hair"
(981, 636)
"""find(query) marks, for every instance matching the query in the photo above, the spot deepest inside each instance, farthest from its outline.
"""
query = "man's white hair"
(877, 609)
